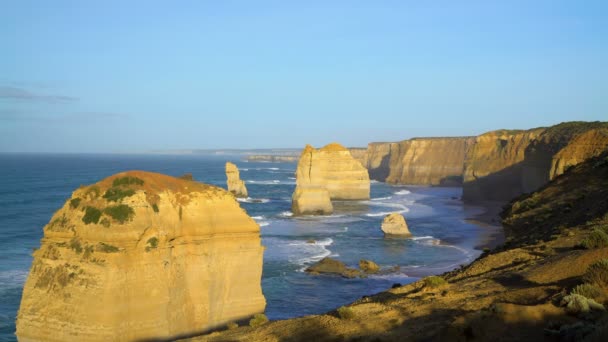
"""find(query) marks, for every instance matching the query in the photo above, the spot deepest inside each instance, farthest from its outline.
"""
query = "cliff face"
(428, 161)
(141, 255)
(504, 164)
(360, 155)
(234, 182)
(333, 169)
(378, 160)
(493, 166)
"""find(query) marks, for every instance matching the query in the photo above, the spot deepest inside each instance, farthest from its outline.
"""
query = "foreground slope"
(142, 255)
(512, 293)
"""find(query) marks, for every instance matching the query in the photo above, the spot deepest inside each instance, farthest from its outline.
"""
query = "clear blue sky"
(116, 76)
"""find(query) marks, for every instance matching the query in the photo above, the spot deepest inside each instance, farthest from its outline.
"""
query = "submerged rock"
(234, 182)
(141, 255)
(368, 266)
(394, 225)
(329, 173)
(333, 266)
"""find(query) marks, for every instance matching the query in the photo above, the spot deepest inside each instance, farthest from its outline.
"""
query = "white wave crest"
(263, 224)
(264, 182)
(286, 214)
(314, 251)
(257, 217)
(402, 192)
(253, 200)
(381, 198)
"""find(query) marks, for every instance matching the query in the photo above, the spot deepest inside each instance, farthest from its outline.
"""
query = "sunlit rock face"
(141, 255)
(234, 182)
(493, 166)
(418, 161)
(504, 164)
(394, 225)
(329, 173)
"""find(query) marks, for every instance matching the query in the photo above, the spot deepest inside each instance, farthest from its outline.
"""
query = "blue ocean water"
(34, 186)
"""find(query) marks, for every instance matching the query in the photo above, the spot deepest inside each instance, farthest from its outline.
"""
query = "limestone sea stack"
(329, 173)
(141, 255)
(234, 182)
(394, 225)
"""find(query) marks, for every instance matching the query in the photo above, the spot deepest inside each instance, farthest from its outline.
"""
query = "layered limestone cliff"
(394, 224)
(360, 154)
(428, 161)
(493, 166)
(418, 161)
(234, 182)
(504, 164)
(141, 255)
(325, 174)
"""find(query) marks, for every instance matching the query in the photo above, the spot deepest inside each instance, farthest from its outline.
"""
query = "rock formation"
(234, 182)
(368, 266)
(504, 164)
(273, 158)
(493, 165)
(360, 155)
(420, 161)
(394, 225)
(329, 173)
(141, 255)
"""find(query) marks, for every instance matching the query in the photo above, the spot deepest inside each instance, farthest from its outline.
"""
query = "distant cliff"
(420, 161)
(141, 255)
(503, 164)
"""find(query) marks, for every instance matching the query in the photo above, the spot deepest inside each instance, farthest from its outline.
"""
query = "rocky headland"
(325, 174)
(141, 255)
(549, 281)
(271, 158)
(233, 181)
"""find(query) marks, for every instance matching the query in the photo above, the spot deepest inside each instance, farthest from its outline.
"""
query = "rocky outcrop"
(234, 182)
(504, 164)
(141, 255)
(394, 225)
(333, 266)
(368, 266)
(329, 173)
(418, 161)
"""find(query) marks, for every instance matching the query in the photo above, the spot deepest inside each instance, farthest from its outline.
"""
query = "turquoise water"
(32, 187)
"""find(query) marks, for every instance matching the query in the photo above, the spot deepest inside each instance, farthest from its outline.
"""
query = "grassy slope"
(509, 294)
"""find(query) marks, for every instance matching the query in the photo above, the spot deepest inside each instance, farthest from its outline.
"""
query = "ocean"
(34, 186)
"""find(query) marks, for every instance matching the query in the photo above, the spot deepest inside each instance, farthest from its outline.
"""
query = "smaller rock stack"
(394, 225)
(233, 181)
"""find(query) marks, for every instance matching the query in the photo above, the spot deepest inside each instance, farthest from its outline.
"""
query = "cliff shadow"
(381, 172)
(503, 185)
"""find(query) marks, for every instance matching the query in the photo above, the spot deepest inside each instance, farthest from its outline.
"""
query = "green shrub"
(93, 191)
(117, 194)
(258, 320)
(74, 202)
(434, 281)
(232, 325)
(106, 248)
(128, 180)
(88, 250)
(152, 243)
(155, 207)
(596, 239)
(588, 291)
(105, 222)
(121, 213)
(597, 274)
(75, 245)
(346, 313)
(91, 215)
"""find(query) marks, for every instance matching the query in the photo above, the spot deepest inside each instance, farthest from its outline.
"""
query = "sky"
(135, 76)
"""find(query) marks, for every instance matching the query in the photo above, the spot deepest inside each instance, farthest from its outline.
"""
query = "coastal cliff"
(141, 255)
(273, 158)
(527, 289)
(428, 161)
(331, 173)
(418, 161)
(504, 164)
(233, 181)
